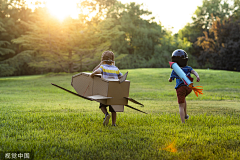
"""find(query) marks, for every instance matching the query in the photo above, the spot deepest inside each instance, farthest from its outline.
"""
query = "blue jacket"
(187, 70)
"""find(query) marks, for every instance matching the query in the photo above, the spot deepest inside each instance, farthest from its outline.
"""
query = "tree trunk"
(70, 63)
(81, 63)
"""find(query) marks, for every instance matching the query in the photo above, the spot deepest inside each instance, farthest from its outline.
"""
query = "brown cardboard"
(134, 101)
(83, 84)
(118, 91)
(112, 92)
(100, 86)
(123, 78)
(118, 108)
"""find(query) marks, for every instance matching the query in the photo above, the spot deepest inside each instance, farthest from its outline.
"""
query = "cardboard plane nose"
(170, 63)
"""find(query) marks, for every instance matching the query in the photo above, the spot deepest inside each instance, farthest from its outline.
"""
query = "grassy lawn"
(36, 116)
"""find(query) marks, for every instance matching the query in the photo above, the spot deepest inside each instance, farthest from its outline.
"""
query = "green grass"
(34, 115)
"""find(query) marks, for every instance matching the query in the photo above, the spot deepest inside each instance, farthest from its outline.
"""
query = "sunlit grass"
(34, 115)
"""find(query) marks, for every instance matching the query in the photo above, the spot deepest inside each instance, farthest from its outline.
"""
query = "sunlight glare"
(62, 8)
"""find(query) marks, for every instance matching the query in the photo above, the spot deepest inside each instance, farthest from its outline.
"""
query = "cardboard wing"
(106, 91)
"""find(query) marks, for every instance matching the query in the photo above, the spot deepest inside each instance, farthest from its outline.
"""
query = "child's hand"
(198, 79)
(98, 71)
(170, 80)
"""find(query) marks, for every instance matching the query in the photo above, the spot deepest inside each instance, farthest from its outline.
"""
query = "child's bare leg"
(104, 110)
(114, 117)
(182, 112)
(185, 108)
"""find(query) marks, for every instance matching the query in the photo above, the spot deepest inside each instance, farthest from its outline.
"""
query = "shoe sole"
(106, 120)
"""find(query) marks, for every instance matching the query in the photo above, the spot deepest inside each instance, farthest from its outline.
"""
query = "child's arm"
(119, 77)
(173, 75)
(97, 66)
(98, 71)
(196, 74)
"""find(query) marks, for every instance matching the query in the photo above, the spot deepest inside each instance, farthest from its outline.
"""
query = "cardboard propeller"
(112, 92)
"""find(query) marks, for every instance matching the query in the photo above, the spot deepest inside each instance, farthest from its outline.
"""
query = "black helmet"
(180, 57)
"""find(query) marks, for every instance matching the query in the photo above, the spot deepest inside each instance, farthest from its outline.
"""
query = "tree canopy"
(65, 45)
(11, 15)
(35, 42)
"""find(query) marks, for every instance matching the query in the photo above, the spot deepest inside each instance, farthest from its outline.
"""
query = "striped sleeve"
(101, 68)
(120, 74)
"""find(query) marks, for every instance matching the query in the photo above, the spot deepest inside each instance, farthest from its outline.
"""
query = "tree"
(198, 32)
(145, 43)
(139, 38)
(227, 37)
(207, 46)
(4, 68)
(209, 11)
(61, 46)
(97, 8)
(204, 16)
(191, 32)
(236, 7)
(12, 12)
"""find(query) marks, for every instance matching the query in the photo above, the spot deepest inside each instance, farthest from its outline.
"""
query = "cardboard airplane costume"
(112, 92)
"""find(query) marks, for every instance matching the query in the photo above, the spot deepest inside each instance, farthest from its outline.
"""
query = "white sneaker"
(106, 119)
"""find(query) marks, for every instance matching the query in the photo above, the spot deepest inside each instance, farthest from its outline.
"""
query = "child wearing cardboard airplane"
(109, 71)
(107, 89)
(184, 85)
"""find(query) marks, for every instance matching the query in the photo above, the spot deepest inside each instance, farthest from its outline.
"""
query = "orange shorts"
(182, 92)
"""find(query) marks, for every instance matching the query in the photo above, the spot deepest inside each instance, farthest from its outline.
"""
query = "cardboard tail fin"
(197, 91)
(124, 77)
(135, 109)
(134, 101)
(72, 92)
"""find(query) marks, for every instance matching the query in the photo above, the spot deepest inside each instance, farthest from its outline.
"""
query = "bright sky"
(171, 13)
(59, 8)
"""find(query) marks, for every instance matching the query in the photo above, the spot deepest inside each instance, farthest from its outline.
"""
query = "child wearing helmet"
(109, 71)
(180, 57)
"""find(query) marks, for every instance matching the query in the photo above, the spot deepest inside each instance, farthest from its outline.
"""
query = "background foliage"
(34, 42)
